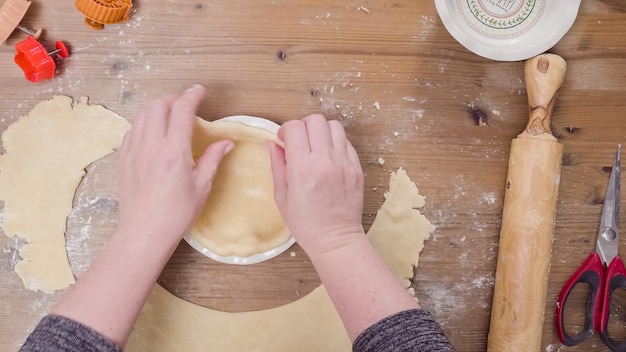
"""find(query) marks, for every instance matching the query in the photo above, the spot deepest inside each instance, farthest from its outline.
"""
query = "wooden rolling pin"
(528, 218)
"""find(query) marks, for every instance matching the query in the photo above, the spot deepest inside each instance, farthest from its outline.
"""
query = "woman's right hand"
(318, 184)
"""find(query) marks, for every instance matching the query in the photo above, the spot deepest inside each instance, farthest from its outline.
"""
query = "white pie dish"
(510, 30)
(255, 258)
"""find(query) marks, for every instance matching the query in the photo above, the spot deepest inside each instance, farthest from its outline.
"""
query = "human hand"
(318, 183)
(161, 189)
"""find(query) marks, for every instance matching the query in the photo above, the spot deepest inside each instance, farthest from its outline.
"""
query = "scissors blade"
(608, 234)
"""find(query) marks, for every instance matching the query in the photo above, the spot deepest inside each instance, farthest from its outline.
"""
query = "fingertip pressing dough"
(168, 323)
(46, 153)
(240, 217)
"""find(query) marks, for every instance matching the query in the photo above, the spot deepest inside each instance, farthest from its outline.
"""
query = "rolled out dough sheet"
(240, 216)
(168, 323)
(46, 153)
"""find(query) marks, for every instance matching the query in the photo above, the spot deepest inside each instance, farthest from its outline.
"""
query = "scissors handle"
(615, 278)
(590, 272)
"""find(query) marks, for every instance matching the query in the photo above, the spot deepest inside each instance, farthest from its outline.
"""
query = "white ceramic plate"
(507, 30)
(255, 258)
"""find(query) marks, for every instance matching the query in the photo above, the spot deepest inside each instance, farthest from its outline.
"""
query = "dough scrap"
(240, 217)
(168, 323)
(46, 153)
(399, 254)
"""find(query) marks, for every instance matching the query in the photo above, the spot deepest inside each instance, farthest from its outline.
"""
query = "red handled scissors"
(603, 271)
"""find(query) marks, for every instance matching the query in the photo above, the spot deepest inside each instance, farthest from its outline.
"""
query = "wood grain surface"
(407, 93)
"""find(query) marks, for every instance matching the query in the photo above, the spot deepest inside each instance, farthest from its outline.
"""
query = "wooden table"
(405, 90)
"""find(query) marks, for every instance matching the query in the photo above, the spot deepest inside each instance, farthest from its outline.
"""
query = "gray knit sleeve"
(59, 334)
(411, 330)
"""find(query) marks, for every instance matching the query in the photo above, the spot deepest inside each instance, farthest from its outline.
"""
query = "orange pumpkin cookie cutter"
(100, 12)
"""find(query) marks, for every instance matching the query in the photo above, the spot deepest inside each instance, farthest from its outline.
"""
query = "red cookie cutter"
(35, 61)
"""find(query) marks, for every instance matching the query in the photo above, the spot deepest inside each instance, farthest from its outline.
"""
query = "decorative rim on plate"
(507, 30)
(501, 19)
(255, 258)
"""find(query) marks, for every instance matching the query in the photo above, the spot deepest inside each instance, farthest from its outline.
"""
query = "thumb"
(279, 171)
(207, 164)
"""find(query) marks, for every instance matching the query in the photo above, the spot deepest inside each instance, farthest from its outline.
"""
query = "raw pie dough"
(240, 217)
(46, 153)
(168, 323)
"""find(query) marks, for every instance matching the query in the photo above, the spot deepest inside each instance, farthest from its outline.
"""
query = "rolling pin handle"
(544, 76)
